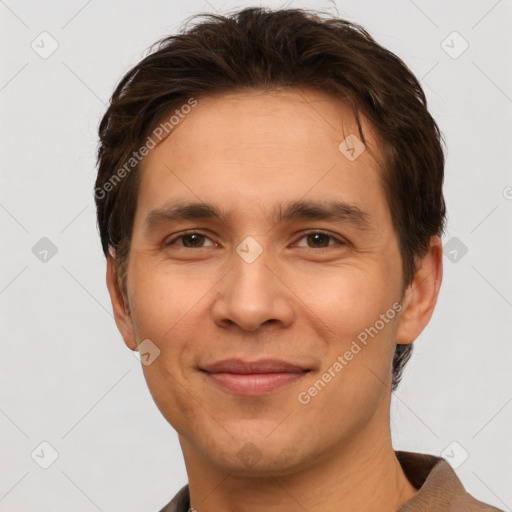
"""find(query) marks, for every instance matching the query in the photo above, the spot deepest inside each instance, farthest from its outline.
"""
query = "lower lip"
(254, 384)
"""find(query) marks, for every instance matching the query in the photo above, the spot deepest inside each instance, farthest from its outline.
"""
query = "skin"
(247, 152)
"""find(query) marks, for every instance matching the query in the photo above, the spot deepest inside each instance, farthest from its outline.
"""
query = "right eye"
(190, 240)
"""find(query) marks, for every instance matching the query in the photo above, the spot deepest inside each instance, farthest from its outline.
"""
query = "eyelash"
(304, 235)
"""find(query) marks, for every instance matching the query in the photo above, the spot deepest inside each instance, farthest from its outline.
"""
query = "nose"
(252, 294)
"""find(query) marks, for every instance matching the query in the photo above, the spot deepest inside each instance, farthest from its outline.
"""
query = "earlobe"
(421, 295)
(119, 307)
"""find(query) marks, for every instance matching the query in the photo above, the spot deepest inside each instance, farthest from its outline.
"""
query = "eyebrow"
(336, 210)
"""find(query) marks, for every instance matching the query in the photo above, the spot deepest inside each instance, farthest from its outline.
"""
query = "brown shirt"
(439, 488)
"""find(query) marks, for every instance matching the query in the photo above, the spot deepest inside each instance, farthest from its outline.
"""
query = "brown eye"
(193, 240)
(318, 240)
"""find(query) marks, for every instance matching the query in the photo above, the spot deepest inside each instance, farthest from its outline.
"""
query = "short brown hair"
(261, 48)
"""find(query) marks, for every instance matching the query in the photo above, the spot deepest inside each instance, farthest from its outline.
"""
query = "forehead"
(260, 147)
(276, 117)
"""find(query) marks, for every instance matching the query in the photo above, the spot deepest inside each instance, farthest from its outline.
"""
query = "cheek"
(162, 301)
(346, 299)
(163, 310)
(359, 306)
(167, 308)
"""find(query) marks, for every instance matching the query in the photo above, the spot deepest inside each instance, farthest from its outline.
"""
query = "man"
(270, 204)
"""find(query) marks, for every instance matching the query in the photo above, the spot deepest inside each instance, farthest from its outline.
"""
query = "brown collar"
(439, 488)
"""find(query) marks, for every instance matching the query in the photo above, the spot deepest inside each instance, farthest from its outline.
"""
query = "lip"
(252, 378)
(246, 367)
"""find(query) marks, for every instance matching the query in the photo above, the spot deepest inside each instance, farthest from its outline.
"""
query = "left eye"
(319, 240)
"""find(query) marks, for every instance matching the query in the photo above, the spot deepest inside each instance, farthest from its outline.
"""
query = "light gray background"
(66, 376)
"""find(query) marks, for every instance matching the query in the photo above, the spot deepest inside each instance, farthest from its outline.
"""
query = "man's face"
(301, 289)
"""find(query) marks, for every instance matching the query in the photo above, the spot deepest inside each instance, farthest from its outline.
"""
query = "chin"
(258, 455)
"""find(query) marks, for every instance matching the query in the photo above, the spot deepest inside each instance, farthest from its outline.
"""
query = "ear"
(119, 307)
(421, 295)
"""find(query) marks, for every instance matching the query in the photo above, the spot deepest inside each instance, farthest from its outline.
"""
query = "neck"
(363, 476)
